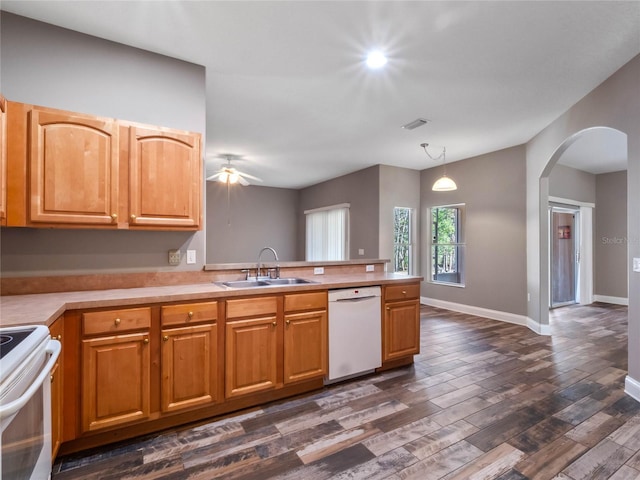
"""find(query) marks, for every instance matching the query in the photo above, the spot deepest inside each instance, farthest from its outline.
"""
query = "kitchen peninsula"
(152, 356)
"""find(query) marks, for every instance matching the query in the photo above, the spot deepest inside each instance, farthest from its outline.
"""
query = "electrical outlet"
(174, 257)
(191, 257)
(370, 268)
(636, 264)
(318, 270)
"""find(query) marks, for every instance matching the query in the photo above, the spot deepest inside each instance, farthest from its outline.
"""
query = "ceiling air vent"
(418, 122)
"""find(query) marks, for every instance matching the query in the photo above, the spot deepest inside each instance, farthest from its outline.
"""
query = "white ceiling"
(287, 88)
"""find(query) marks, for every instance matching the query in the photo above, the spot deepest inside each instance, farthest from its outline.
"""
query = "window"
(328, 233)
(447, 244)
(403, 240)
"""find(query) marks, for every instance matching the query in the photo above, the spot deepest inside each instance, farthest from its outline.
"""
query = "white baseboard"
(488, 313)
(632, 388)
(614, 300)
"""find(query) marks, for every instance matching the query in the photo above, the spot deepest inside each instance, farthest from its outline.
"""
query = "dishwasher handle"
(356, 299)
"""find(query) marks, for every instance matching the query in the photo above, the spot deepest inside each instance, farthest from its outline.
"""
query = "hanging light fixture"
(444, 183)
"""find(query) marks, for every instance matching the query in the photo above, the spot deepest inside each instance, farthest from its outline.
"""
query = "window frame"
(460, 245)
(411, 243)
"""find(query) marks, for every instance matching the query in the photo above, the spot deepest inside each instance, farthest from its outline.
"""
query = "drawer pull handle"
(116, 322)
(114, 216)
(274, 323)
(146, 341)
(404, 292)
(190, 314)
(133, 218)
(165, 338)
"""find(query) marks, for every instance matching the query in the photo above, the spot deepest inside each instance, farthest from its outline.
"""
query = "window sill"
(447, 284)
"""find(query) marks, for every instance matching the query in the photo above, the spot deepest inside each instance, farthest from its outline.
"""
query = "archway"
(616, 143)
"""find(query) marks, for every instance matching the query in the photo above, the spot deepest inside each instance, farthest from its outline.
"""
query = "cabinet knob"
(404, 292)
(116, 322)
(288, 322)
(59, 337)
(114, 216)
(146, 341)
(274, 323)
(51, 378)
(388, 308)
(190, 315)
(133, 218)
(165, 338)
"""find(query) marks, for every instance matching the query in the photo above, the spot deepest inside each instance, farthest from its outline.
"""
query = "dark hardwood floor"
(484, 399)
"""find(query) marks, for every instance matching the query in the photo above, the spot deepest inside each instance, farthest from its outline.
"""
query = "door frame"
(584, 278)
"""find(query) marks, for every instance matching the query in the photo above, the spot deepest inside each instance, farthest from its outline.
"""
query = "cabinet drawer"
(305, 301)
(402, 292)
(116, 321)
(189, 313)
(248, 307)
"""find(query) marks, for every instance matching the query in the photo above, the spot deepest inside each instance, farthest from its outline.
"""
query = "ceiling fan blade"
(243, 181)
(250, 176)
(213, 177)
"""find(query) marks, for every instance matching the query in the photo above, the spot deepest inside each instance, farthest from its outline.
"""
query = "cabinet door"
(115, 380)
(73, 168)
(251, 355)
(188, 366)
(3, 160)
(57, 332)
(401, 335)
(305, 346)
(165, 183)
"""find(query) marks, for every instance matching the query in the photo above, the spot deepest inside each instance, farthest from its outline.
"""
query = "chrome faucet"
(260, 262)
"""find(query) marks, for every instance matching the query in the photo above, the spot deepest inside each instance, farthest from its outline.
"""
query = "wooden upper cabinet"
(165, 177)
(73, 164)
(3, 160)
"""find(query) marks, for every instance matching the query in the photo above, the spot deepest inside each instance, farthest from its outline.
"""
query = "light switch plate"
(361, 251)
(636, 264)
(191, 257)
(174, 257)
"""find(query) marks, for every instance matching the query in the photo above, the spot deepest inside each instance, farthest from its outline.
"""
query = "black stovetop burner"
(8, 341)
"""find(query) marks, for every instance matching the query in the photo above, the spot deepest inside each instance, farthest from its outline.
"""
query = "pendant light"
(444, 183)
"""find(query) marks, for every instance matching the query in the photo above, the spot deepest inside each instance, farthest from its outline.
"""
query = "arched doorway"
(599, 148)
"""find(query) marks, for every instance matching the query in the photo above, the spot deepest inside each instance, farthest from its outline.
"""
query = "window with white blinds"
(327, 233)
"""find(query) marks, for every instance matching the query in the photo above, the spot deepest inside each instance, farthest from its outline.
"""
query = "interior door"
(564, 255)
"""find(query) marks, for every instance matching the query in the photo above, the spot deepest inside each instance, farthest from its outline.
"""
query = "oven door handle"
(53, 349)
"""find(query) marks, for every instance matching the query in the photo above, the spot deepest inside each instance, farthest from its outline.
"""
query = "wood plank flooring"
(484, 400)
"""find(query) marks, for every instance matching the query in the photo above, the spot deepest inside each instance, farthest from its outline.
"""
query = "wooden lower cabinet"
(251, 355)
(189, 367)
(115, 380)
(57, 331)
(305, 343)
(401, 322)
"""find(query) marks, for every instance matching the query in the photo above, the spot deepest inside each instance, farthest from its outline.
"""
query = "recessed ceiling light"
(376, 59)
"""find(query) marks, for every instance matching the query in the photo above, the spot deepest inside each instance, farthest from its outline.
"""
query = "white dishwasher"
(355, 332)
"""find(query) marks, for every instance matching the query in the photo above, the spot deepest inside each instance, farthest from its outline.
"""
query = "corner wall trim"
(488, 313)
(614, 300)
(632, 388)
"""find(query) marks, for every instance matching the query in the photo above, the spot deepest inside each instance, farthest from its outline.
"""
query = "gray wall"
(495, 262)
(610, 247)
(361, 190)
(54, 67)
(570, 183)
(613, 104)
(399, 187)
(252, 218)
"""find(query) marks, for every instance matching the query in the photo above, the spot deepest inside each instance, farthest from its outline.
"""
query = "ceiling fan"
(230, 175)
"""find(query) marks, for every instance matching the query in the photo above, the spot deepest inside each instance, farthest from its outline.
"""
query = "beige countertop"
(45, 308)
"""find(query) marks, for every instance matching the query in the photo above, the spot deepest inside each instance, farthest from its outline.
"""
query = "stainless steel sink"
(265, 283)
(288, 281)
(245, 283)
